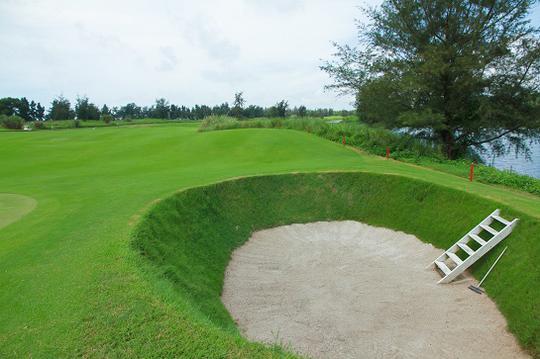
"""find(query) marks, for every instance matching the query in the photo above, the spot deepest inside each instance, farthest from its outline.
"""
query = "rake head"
(476, 289)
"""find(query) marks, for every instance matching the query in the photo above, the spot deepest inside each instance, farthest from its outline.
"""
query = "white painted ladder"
(451, 265)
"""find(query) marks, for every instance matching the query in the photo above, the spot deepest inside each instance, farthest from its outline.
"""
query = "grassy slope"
(191, 235)
(69, 282)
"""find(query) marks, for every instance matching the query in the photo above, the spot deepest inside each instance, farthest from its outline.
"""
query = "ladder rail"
(465, 239)
(473, 255)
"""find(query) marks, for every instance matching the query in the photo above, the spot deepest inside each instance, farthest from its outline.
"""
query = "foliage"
(29, 111)
(12, 122)
(302, 111)
(107, 118)
(60, 110)
(85, 110)
(211, 123)
(105, 110)
(161, 109)
(278, 110)
(39, 125)
(465, 73)
(76, 123)
(238, 105)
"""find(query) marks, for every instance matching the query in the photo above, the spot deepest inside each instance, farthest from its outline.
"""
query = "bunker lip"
(347, 289)
(14, 207)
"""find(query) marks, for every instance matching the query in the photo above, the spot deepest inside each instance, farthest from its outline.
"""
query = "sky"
(190, 52)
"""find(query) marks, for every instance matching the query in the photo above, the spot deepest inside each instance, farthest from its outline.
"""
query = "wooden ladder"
(451, 265)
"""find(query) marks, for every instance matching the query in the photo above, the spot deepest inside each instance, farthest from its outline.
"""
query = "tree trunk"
(451, 150)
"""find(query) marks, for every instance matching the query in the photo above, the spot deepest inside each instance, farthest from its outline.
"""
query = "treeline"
(83, 109)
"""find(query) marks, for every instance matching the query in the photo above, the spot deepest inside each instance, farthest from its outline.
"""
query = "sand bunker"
(349, 290)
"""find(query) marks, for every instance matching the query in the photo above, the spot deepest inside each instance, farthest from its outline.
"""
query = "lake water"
(519, 164)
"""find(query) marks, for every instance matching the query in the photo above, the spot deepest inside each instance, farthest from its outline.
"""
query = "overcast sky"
(189, 52)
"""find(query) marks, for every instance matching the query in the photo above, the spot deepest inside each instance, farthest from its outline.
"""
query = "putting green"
(13, 207)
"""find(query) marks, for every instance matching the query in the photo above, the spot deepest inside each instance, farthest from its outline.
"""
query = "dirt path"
(349, 290)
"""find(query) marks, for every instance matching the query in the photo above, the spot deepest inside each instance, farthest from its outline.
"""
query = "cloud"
(169, 59)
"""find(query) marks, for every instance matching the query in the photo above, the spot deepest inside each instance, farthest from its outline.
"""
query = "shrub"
(76, 123)
(38, 125)
(12, 122)
(107, 118)
(211, 123)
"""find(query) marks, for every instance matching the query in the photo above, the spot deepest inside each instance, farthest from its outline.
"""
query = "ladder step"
(466, 248)
(445, 262)
(443, 267)
(479, 240)
(500, 219)
(454, 257)
(489, 229)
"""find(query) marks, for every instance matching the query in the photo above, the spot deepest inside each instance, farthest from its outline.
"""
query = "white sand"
(349, 290)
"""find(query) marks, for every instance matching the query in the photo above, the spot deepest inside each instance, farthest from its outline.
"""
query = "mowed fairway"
(70, 283)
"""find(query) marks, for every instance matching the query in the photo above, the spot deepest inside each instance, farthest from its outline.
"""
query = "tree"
(105, 110)
(85, 110)
(281, 108)
(129, 111)
(302, 111)
(462, 73)
(61, 109)
(253, 111)
(40, 112)
(222, 109)
(200, 112)
(9, 106)
(161, 109)
(238, 105)
(33, 110)
(23, 109)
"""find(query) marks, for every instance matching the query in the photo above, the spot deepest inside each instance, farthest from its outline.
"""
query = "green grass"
(13, 207)
(70, 281)
(375, 141)
(189, 237)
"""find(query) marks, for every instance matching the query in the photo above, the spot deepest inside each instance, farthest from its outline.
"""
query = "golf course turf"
(99, 268)
(13, 207)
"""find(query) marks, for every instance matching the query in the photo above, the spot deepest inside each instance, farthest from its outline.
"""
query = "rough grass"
(189, 237)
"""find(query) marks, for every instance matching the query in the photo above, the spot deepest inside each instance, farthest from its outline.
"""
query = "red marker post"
(387, 152)
(343, 140)
(471, 172)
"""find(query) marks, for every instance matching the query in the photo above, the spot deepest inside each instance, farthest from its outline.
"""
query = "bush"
(212, 123)
(107, 118)
(12, 122)
(38, 125)
(76, 123)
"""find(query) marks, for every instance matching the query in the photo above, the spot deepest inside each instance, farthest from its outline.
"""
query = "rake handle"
(492, 266)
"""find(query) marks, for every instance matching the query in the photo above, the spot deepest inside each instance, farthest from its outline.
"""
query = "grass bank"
(403, 147)
(188, 238)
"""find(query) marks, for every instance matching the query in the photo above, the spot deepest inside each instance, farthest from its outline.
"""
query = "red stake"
(471, 172)
(387, 152)
(343, 140)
